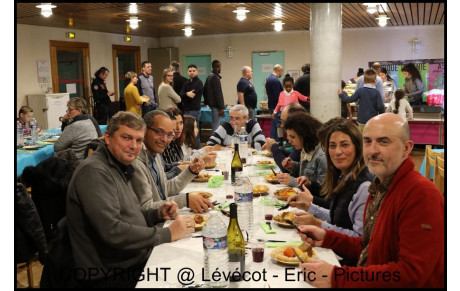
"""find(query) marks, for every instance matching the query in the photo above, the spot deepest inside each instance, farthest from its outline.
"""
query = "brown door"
(125, 58)
(70, 68)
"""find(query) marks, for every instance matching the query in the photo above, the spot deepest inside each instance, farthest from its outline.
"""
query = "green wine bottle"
(237, 165)
(236, 247)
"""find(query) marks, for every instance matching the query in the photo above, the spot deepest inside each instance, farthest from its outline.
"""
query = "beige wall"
(33, 45)
(359, 47)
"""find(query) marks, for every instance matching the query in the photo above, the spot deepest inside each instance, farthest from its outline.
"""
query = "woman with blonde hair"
(167, 97)
(133, 100)
(78, 128)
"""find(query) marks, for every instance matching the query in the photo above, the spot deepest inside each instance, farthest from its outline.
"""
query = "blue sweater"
(370, 102)
(274, 88)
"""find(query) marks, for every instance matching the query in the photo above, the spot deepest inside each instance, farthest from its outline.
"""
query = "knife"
(297, 255)
(309, 235)
(284, 207)
(274, 173)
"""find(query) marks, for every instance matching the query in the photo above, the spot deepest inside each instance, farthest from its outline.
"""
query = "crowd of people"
(358, 189)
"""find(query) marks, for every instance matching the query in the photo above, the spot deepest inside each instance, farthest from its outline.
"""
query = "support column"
(326, 59)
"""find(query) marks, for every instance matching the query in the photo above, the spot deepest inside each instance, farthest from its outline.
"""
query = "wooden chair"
(439, 173)
(28, 266)
(430, 160)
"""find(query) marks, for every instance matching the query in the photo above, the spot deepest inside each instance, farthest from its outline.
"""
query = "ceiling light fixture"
(188, 30)
(382, 20)
(132, 8)
(133, 22)
(46, 9)
(241, 13)
(168, 8)
(278, 25)
(371, 7)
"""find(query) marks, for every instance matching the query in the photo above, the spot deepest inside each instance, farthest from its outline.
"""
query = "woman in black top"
(101, 95)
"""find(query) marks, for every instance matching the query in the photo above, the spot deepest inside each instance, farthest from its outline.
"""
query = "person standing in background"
(145, 85)
(273, 88)
(213, 96)
(247, 95)
(132, 98)
(302, 85)
(101, 95)
(167, 97)
(178, 81)
(389, 85)
(191, 97)
(378, 83)
(413, 87)
(359, 74)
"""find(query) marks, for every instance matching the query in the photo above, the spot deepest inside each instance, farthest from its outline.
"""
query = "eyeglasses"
(70, 109)
(162, 134)
(169, 75)
(236, 118)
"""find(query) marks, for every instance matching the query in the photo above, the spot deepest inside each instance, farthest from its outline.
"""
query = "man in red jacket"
(403, 237)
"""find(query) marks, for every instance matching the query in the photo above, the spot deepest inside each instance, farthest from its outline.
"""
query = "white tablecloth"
(172, 264)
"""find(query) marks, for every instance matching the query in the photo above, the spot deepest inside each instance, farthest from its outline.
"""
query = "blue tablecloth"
(33, 158)
(206, 115)
(422, 168)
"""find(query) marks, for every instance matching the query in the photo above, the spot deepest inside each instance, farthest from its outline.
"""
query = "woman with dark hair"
(400, 106)
(389, 85)
(345, 184)
(189, 139)
(173, 152)
(359, 74)
(78, 128)
(413, 87)
(101, 95)
(301, 131)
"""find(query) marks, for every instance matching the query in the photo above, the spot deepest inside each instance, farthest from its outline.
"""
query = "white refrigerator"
(48, 108)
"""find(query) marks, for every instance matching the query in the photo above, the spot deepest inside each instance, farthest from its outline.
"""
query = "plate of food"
(210, 165)
(259, 190)
(32, 147)
(286, 215)
(145, 98)
(284, 193)
(266, 153)
(286, 255)
(50, 140)
(203, 194)
(200, 221)
(202, 177)
(266, 164)
(271, 179)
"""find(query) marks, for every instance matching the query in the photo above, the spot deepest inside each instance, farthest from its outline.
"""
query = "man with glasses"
(145, 85)
(111, 236)
(150, 184)
(239, 117)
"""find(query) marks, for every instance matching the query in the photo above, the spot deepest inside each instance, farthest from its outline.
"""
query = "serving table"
(180, 263)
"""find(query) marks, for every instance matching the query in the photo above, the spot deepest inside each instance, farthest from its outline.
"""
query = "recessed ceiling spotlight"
(168, 8)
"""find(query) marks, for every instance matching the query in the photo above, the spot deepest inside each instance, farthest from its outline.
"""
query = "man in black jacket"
(302, 85)
(191, 97)
(213, 96)
(178, 81)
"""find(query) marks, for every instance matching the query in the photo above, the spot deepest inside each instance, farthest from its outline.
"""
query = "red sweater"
(284, 100)
(406, 248)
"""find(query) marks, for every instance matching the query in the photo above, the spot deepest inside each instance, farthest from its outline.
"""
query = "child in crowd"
(346, 107)
(400, 106)
(286, 97)
(189, 138)
(370, 102)
(25, 116)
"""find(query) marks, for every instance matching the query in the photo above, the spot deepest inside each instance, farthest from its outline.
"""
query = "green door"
(203, 65)
(262, 67)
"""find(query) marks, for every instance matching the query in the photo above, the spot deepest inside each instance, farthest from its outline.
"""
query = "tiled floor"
(417, 155)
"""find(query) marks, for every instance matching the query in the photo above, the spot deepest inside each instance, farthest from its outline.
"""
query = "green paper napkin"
(279, 244)
(266, 228)
(224, 205)
(43, 142)
(215, 181)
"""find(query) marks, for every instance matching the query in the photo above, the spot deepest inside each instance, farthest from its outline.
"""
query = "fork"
(309, 235)
(269, 224)
(301, 261)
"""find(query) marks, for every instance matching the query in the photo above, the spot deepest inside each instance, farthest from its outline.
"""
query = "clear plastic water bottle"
(215, 251)
(19, 134)
(34, 130)
(243, 141)
(243, 198)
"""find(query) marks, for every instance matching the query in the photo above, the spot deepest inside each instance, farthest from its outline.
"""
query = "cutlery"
(274, 173)
(269, 224)
(196, 236)
(225, 212)
(270, 240)
(284, 207)
(213, 170)
(309, 235)
(194, 286)
(297, 255)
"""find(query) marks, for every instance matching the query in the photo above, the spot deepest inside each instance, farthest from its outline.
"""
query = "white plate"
(32, 147)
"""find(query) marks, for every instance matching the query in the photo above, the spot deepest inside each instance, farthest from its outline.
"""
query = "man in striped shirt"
(239, 117)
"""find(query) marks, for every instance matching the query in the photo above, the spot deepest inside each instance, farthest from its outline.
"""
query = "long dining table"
(181, 263)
